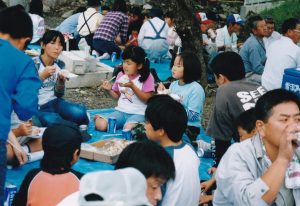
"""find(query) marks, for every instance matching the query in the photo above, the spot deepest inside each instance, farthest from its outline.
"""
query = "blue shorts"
(124, 118)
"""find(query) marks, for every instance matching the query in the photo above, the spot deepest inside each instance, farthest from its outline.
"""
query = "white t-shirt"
(268, 41)
(282, 54)
(224, 39)
(185, 189)
(38, 27)
(93, 22)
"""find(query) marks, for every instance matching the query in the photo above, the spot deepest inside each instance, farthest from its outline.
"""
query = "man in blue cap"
(226, 39)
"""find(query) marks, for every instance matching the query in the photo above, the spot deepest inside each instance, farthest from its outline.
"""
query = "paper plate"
(37, 132)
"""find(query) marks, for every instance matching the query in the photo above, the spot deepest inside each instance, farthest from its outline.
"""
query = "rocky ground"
(94, 97)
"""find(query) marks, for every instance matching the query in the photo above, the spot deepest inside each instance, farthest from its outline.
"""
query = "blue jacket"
(253, 54)
(19, 85)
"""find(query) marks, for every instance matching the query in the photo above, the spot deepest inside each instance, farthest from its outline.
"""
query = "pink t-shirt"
(148, 85)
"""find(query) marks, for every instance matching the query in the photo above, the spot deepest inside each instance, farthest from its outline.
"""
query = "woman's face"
(53, 48)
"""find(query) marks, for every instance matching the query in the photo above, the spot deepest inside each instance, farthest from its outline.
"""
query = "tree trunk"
(187, 27)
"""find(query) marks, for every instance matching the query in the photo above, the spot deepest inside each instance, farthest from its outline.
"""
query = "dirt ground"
(94, 97)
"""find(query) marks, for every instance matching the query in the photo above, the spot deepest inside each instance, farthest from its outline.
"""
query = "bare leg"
(101, 124)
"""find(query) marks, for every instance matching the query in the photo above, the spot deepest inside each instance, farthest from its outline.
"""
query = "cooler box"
(74, 63)
(291, 80)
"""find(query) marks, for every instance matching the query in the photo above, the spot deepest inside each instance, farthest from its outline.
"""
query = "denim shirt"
(239, 178)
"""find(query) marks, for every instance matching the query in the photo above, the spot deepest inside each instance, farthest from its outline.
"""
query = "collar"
(258, 147)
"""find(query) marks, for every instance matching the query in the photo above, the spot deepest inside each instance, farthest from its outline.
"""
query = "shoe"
(105, 56)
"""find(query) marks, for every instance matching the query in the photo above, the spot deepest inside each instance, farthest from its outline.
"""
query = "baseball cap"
(204, 19)
(122, 187)
(61, 139)
(235, 18)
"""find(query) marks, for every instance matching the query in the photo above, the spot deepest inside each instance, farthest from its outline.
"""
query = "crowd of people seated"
(254, 124)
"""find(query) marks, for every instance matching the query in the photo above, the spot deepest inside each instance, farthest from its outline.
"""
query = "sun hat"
(122, 187)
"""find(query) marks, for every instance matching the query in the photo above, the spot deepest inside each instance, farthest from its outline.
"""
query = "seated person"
(153, 162)
(52, 107)
(166, 121)
(260, 170)
(187, 70)
(132, 88)
(153, 36)
(20, 145)
(112, 31)
(110, 188)
(245, 124)
(234, 95)
(55, 179)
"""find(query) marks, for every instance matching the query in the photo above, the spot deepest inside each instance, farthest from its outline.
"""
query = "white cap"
(147, 6)
(123, 187)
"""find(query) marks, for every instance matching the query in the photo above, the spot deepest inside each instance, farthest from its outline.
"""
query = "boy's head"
(270, 25)
(165, 118)
(227, 67)
(152, 161)
(105, 10)
(61, 145)
(245, 123)
(16, 26)
(275, 111)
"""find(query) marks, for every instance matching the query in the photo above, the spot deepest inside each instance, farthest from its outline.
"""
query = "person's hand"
(24, 129)
(205, 186)
(204, 199)
(287, 143)
(212, 170)
(129, 84)
(47, 72)
(62, 75)
(20, 154)
(106, 85)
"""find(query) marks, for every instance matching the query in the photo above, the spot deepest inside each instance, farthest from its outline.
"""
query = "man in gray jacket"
(259, 171)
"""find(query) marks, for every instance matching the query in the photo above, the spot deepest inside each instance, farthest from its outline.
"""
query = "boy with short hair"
(153, 162)
(245, 124)
(234, 96)
(55, 179)
(166, 121)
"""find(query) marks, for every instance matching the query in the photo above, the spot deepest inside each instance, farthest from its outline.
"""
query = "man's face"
(270, 29)
(235, 28)
(261, 29)
(282, 115)
(294, 34)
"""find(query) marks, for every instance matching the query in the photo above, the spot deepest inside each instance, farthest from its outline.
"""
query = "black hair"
(246, 120)
(213, 16)
(231, 23)
(59, 150)
(169, 14)
(192, 66)
(149, 158)
(36, 7)
(2, 5)
(79, 10)
(289, 24)
(165, 113)
(253, 21)
(136, 11)
(229, 64)
(265, 104)
(119, 5)
(15, 22)
(105, 8)
(269, 20)
(138, 55)
(52, 35)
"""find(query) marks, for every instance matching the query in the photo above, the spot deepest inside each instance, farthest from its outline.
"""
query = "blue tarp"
(16, 175)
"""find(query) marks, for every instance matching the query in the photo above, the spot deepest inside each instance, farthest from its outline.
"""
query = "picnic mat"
(16, 175)
(162, 69)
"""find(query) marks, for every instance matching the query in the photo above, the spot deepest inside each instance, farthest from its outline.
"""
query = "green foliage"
(286, 10)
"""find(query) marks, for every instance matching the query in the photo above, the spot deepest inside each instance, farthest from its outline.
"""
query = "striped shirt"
(114, 23)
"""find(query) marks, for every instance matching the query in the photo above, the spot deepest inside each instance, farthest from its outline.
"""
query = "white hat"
(123, 187)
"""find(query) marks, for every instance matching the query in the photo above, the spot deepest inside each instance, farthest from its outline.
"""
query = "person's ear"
(75, 156)
(161, 132)
(260, 127)
(139, 66)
